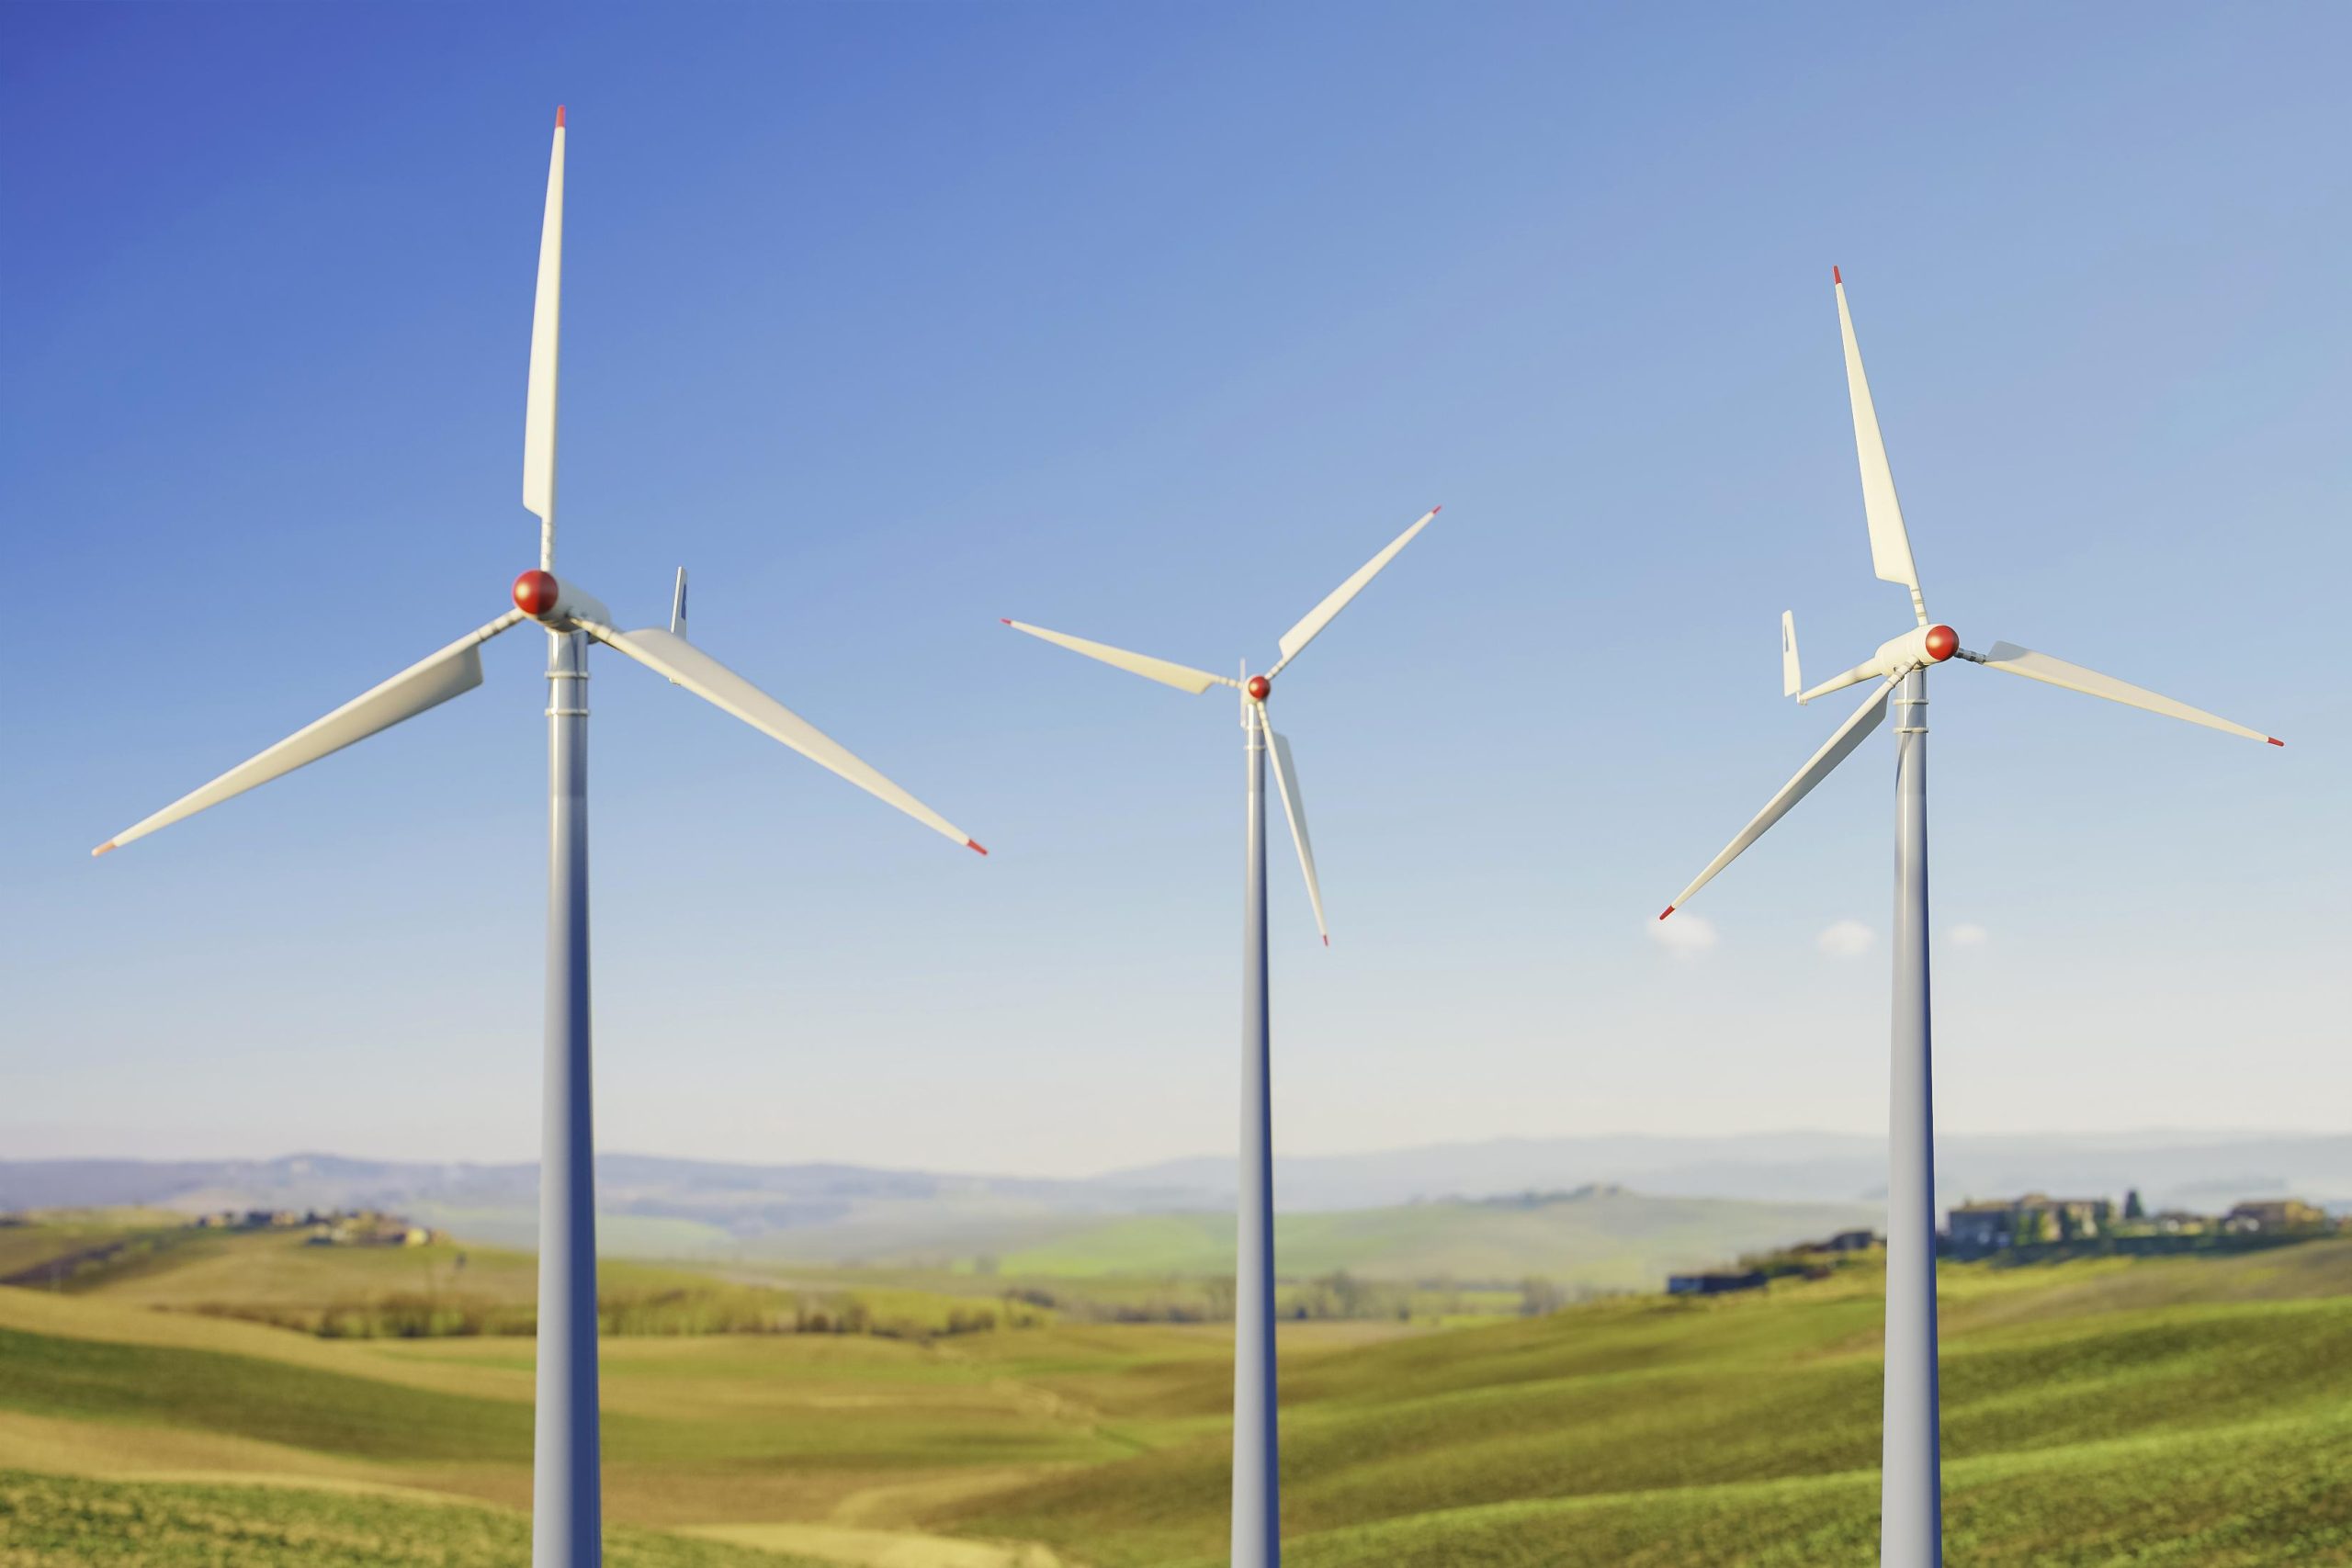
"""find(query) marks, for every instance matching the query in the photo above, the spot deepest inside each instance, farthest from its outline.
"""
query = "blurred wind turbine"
(1256, 1534)
(566, 1492)
(1911, 1495)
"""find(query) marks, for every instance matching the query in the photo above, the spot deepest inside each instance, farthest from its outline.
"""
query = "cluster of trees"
(1334, 1297)
(1176, 1300)
(722, 1308)
(1539, 1297)
(854, 1316)
(1340, 1295)
(717, 1309)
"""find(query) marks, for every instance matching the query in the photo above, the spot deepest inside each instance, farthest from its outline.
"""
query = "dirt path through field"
(882, 1548)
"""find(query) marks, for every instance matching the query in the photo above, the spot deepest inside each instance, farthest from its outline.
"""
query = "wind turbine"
(566, 1506)
(1911, 1494)
(1257, 1526)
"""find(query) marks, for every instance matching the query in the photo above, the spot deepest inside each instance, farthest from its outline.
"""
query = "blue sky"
(1151, 322)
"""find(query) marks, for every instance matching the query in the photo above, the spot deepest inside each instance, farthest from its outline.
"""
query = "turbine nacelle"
(558, 606)
(1914, 649)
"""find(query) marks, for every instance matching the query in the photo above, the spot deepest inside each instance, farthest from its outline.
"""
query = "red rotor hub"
(1259, 686)
(1942, 643)
(536, 593)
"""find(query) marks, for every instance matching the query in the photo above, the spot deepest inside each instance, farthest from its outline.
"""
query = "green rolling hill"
(2174, 1412)
(1600, 1238)
(2191, 1411)
(1594, 1239)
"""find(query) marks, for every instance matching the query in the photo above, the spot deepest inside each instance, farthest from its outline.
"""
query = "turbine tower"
(566, 1506)
(1256, 1514)
(1911, 1488)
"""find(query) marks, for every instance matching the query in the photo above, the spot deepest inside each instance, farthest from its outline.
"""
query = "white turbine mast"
(1257, 1536)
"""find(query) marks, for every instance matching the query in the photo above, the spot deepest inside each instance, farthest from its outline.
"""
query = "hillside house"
(1996, 1225)
(2271, 1215)
(368, 1227)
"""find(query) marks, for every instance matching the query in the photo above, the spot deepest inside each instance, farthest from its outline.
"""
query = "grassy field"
(2189, 1411)
(1600, 1240)
(49, 1522)
(67, 1242)
(1590, 1240)
(1432, 1261)
(133, 1259)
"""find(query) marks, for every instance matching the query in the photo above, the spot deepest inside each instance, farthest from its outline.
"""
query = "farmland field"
(2190, 1411)
(1597, 1239)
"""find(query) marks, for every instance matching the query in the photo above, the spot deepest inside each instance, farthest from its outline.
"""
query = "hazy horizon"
(33, 1145)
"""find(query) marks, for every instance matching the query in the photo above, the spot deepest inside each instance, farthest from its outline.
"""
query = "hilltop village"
(336, 1227)
(2037, 1228)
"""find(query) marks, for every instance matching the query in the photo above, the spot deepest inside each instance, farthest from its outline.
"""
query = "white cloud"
(1685, 936)
(1969, 934)
(1846, 939)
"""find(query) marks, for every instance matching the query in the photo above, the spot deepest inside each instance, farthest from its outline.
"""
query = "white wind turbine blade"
(2010, 658)
(706, 678)
(547, 319)
(1295, 807)
(1871, 670)
(453, 672)
(1299, 635)
(1791, 674)
(1838, 747)
(1890, 541)
(1183, 677)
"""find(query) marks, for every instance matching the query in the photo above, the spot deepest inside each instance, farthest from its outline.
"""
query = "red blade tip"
(970, 845)
(102, 849)
(1006, 619)
(1837, 276)
(2274, 740)
(1669, 909)
(558, 117)
(1327, 939)
(1435, 510)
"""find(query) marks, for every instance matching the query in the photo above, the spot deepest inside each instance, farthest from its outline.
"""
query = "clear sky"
(1152, 323)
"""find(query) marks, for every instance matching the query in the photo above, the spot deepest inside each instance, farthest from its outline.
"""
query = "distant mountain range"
(2174, 1168)
(827, 1213)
